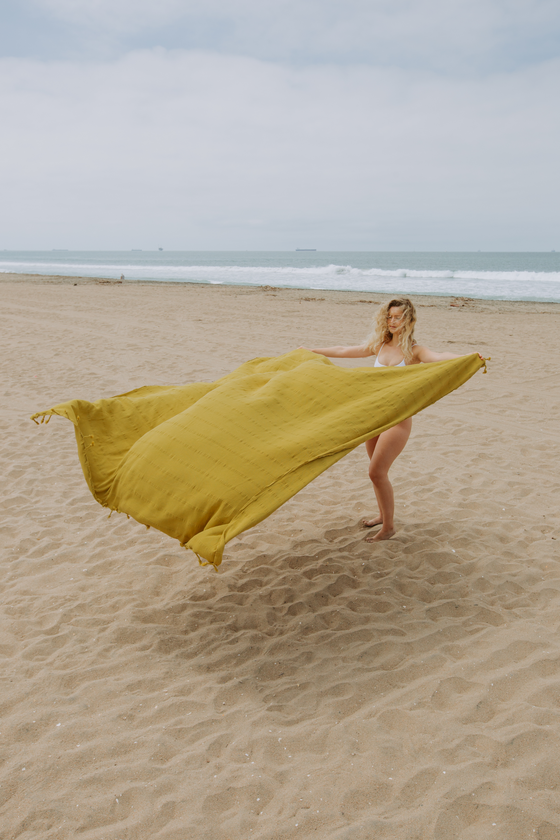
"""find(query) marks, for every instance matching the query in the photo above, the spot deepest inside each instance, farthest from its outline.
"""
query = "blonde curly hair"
(380, 333)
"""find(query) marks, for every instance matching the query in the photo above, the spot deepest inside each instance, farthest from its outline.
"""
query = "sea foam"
(501, 284)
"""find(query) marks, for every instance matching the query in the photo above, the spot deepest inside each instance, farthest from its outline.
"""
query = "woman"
(392, 343)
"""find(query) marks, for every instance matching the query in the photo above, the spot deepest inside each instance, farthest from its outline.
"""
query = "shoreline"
(307, 294)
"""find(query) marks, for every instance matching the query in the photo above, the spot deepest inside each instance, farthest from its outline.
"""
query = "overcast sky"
(260, 124)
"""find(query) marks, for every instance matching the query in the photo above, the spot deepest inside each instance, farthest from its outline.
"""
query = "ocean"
(495, 276)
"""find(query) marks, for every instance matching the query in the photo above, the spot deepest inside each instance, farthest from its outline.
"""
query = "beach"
(316, 685)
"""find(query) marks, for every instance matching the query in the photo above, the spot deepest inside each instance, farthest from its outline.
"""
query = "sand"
(316, 686)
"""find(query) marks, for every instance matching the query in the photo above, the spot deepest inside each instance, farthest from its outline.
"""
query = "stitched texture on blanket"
(206, 461)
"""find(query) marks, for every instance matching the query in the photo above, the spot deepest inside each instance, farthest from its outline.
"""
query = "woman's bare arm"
(359, 351)
(424, 354)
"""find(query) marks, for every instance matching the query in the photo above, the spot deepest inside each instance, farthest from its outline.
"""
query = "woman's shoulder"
(415, 350)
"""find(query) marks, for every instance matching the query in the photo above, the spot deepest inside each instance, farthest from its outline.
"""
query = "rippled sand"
(316, 686)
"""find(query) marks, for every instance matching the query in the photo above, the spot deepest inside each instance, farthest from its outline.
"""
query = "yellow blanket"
(204, 462)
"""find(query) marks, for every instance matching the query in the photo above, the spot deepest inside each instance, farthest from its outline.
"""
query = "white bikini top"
(377, 363)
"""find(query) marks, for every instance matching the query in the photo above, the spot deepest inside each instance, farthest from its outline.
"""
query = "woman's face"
(395, 319)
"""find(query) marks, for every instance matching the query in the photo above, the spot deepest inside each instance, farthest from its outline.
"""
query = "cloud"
(451, 36)
(199, 150)
(119, 15)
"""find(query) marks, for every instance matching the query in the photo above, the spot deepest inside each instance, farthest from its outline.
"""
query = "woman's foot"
(381, 535)
(371, 523)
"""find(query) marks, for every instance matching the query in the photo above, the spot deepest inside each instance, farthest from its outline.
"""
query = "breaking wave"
(509, 285)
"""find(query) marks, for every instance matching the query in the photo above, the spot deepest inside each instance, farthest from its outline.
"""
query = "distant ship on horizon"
(306, 249)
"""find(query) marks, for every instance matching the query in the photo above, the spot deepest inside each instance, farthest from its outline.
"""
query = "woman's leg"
(388, 447)
(377, 520)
